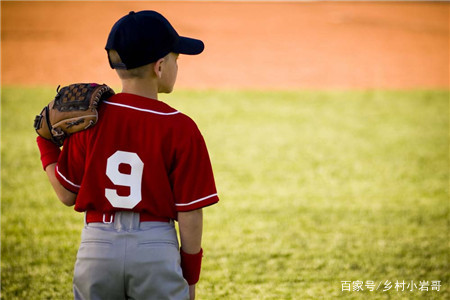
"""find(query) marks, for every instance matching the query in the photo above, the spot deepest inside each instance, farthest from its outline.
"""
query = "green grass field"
(316, 188)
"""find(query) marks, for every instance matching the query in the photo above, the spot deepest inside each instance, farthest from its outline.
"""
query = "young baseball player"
(143, 165)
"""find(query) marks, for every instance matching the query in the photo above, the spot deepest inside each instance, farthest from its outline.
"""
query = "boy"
(143, 165)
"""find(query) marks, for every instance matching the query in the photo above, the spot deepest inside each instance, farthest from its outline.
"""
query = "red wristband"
(191, 264)
(49, 151)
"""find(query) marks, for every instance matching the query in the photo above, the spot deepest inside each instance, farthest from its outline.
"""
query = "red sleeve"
(192, 177)
(70, 167)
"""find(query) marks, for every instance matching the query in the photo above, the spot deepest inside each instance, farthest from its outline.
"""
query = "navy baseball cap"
(143, 37)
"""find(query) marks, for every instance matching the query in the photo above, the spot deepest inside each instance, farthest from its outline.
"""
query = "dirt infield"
(248, 44)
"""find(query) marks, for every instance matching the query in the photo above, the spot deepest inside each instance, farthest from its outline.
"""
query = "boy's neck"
(144, 88)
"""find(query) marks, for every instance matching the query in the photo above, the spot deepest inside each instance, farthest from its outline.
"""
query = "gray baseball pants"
(128, 259)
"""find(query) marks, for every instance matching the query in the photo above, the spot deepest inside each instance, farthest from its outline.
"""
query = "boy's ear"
(158, 66)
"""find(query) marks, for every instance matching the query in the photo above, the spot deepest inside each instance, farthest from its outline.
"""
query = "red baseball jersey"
(142, 155)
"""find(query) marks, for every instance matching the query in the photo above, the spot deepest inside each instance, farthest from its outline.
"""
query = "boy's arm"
(49, 157)
(191, 228)
(64, 195)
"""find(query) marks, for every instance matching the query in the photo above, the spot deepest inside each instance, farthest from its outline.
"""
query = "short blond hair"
(139, 72)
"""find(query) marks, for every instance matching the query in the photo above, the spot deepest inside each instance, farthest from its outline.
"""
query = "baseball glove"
(74, 109)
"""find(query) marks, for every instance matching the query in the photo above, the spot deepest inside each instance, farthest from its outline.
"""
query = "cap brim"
(188, 46)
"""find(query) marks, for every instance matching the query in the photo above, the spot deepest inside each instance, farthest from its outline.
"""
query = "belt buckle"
(111, 217)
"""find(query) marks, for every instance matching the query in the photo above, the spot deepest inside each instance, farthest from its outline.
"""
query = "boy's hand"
(192, 292)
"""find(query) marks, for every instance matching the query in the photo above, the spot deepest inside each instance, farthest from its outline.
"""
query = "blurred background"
(269, 44)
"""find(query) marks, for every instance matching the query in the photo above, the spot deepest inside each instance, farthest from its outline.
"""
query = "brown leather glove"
(74, 109)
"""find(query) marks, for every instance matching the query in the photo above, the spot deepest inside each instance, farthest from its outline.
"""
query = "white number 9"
(132, 180)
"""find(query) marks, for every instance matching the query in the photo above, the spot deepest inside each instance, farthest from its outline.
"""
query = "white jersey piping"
(196, 201)
(142, 109)
(65, 179)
